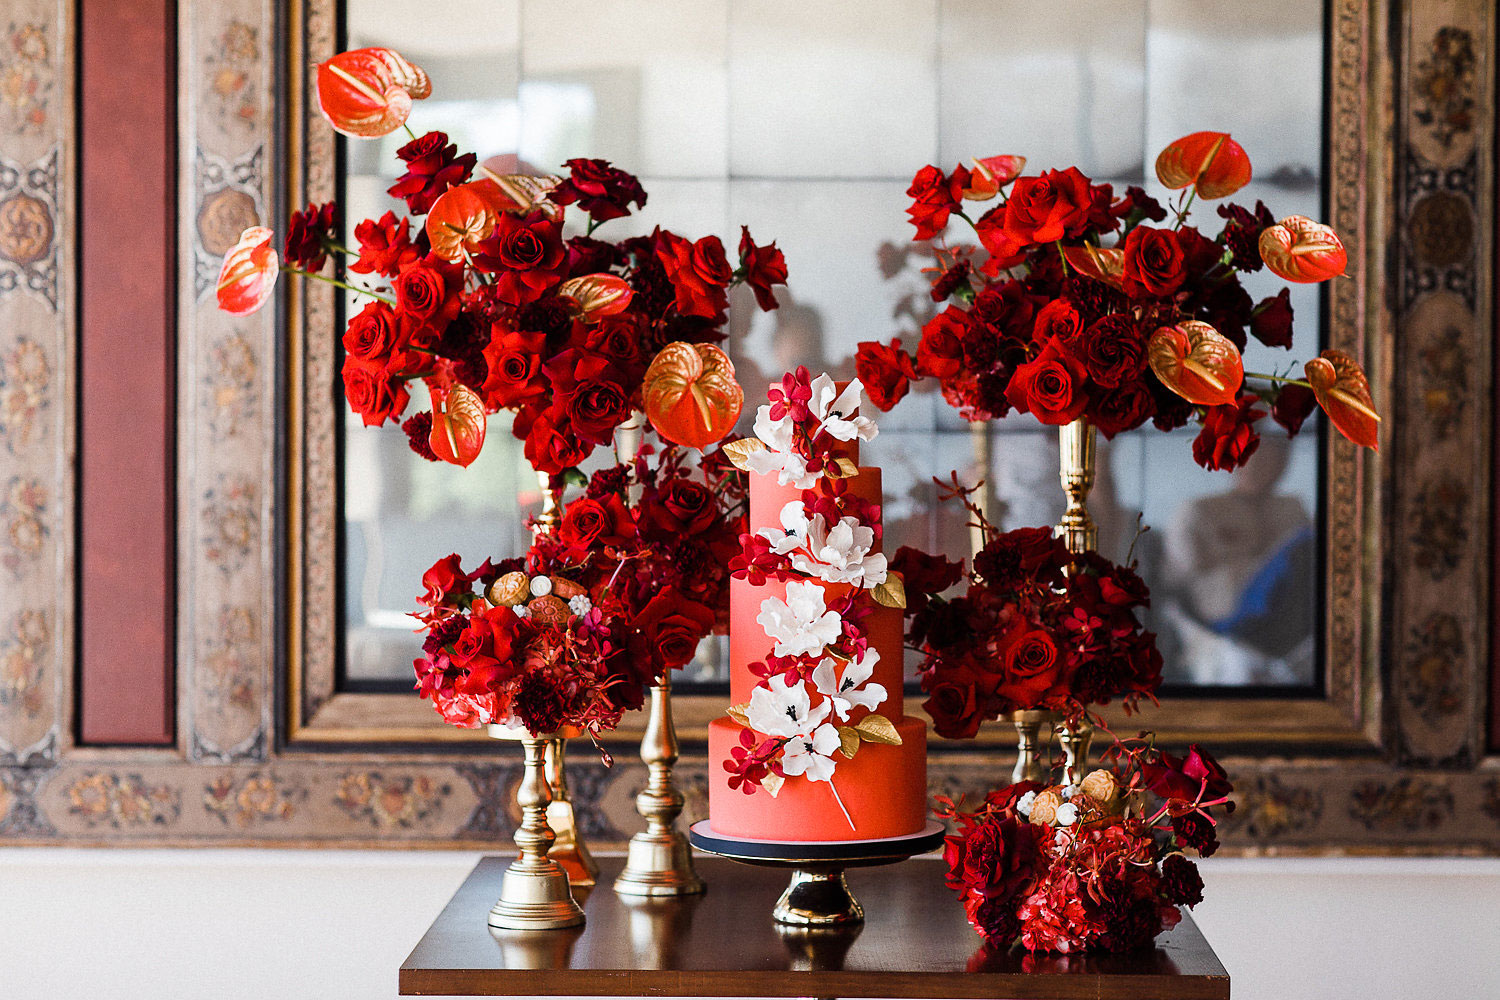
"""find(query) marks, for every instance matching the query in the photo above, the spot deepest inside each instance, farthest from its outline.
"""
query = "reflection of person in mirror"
(1239, 575)
(796, 338)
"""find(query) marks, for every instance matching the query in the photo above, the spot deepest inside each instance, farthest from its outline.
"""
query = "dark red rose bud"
(603, 191)
(1271, 321)
(1294, 404)
(1228, 438)
(309, 235)
(432, 167)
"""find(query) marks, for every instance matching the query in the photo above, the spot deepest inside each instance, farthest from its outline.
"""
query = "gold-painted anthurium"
(691, 394)
(990, 174)
(1100, 263)
(1299, 249)
(368, 93)
(458, 424)
(460, 220)
(248, 274)
(1341, 389)
(596, 296)
(1211, 163)
(1197, 362)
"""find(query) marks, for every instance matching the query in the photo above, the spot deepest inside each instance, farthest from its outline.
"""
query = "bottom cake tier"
(884, 788)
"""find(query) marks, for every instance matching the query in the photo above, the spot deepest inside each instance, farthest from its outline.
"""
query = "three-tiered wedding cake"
(817, 746)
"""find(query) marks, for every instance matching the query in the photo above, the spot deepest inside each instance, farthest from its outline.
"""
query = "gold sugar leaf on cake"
(740, 714)
(772, 783)
(843, 468)
(739, 452)
(878, 729)
(891, 593)
(848, 741)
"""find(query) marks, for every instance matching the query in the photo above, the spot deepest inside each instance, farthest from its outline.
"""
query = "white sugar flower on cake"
(851, 690)
(840, 554)
(784, 709)
(837, 412)
(779, 455)
(811, 755)
(801, 625)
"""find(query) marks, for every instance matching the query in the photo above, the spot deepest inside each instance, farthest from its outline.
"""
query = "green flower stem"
(1064, 258)
(408, 130)
(1277, 378)
(339, 284)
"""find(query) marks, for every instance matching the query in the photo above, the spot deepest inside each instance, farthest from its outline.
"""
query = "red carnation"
(432, 167)
(763, 267)
(385, 246)
(603, 191)
(1228, 438)
(699, 273)
(1047, 208)
(886, 371)
(1050, 387)
(1154, 263)
(309, 235)
(936, 196)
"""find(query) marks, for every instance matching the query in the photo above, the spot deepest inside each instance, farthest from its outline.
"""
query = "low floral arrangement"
(800, 719)
(1102, 864)
(480, 295)
(1073, 307)
(1036, 628)
(599, 609)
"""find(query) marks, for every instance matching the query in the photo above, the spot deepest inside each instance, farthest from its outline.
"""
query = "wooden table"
(915, 943)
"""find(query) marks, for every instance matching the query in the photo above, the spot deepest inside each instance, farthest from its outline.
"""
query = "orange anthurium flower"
(691, 394)
(459, 220)
(1299, 249)
(597, 295)
(1211, 162)
(1340, 386)
(992, 173)
(249, 272)
(521, 193)
(1197, 362)
(458, 424)
(367, 93)
(1098, 263)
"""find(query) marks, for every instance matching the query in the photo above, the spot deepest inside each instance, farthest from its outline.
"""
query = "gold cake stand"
(818, 895)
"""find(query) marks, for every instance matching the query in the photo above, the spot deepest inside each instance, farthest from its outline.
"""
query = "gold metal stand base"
(818, 897)
(535, 900)
(659, 864)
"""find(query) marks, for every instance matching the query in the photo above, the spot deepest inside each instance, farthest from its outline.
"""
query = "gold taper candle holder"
(1076, 443)
(1030, 764)
(534, 894)
(659, 861)
(568, 850)
(1073, 739)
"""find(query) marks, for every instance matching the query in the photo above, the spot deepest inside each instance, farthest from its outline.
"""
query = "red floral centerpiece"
(1102, 864)
(1078, 304)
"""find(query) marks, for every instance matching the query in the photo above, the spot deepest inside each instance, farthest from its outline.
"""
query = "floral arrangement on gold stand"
(481, 299)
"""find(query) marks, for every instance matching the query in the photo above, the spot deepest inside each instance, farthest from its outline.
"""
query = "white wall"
(223, 924)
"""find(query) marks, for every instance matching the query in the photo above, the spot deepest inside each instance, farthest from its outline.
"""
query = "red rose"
(1228, 438)
(1031, 665)
(886, 371)
(1154, 263)
(432, 167)
(590, 525)
(485, 649)
(940, 353)
(525, 254)
(550, 447)
(371, 392)
(385, 246)
(1050, 387)
(957, 699)
(1008, 560)
(763, 266)
(1057, 319)
(1122, 408)
(308, 236)
(925, 575)
(1199, 253)
(591, 256)
(442, 582)
(1049, 207)
(603, 191)
(1003, 250)
(1112, 350)
(373, 333)
(670, 628)
(430, 292)
(596, 408)
(681, 509)
(1271, 320)
(514, 360)
(699, 273)
(1197, 778)
(936, 196)
(1294, 404)
(619, 338)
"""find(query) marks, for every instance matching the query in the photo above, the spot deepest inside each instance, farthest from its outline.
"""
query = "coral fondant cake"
(817, 746)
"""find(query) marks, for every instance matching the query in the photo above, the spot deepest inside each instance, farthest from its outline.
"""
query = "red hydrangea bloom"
(432, 167)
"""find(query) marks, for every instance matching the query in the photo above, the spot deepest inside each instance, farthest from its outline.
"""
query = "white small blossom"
(541, 586)
(580, 605)
(522, 611)
(1023, 804)
(840, 416)
(778, 456)
(811, 754)
(802, 625)
(1067, 814)
(849, 691)
(1069, 791)
(784, 709)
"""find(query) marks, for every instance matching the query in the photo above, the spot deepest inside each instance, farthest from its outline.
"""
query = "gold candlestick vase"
(1032, 764)
(534, 893)
(1074, 739)
(659, 861)
(569, 849)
